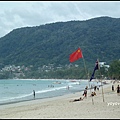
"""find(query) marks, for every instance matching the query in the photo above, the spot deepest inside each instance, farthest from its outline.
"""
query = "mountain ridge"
(98, 38)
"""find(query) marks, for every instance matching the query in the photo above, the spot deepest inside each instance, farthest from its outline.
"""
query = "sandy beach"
(106, 105)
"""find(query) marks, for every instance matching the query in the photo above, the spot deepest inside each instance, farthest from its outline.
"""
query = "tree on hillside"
(114, 69)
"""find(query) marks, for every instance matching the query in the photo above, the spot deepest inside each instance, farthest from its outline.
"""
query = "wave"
(30, 94)
(42, 90)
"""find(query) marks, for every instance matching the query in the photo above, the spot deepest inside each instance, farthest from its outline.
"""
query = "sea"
(19, 90)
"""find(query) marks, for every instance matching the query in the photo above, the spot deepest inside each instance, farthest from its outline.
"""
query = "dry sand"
(105, 105)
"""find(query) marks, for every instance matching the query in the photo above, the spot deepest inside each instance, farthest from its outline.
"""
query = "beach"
(105, 104)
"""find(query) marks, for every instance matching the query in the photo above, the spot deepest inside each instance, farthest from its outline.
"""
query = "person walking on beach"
(98, 88)
(118, 89)
(95, 88)
(112, 87)
(34, 93)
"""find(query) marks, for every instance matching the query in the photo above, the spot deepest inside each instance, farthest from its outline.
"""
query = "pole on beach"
(102, 92)
(88, 78)
(101, 82)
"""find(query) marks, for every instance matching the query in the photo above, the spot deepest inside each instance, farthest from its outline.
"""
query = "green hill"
(53, 43)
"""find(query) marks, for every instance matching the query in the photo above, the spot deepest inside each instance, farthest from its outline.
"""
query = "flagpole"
(75, 56)
(101, 83)
(87, 77)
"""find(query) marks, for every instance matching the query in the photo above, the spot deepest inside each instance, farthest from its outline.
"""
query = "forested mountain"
(53, 43)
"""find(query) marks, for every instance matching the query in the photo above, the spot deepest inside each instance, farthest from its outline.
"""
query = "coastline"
(60, 107)
(28, 96)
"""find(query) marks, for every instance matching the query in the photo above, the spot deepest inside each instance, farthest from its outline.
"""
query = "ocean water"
(18, 90)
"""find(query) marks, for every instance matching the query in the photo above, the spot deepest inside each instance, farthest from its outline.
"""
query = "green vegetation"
(114, 70)
(98, 38)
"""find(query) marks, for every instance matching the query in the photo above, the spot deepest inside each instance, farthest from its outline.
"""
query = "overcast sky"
(34, 13)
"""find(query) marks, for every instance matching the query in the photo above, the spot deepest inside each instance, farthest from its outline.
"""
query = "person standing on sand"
(95, 88)
(112, 87)
(34, 93)
(118, 89)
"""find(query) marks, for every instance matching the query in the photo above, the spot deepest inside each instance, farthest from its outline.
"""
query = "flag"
(76, 55)
(96, 68)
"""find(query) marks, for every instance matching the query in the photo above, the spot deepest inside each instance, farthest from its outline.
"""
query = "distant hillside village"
(17, 72)
(21, 71)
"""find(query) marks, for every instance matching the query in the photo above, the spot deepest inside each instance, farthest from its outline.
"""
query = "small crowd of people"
(96, 88)
(94, 93)
(85, 93)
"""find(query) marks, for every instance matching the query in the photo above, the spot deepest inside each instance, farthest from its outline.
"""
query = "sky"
(17, 14)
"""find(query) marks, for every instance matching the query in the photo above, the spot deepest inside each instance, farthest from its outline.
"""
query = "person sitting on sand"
(77, 99)
(93, 94)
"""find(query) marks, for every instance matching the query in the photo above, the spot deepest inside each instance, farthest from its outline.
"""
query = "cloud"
(34, 13)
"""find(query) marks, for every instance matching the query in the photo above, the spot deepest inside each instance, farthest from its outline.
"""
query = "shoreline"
(40, 99)
(58, 81)
(54, 79)
(60, 107)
